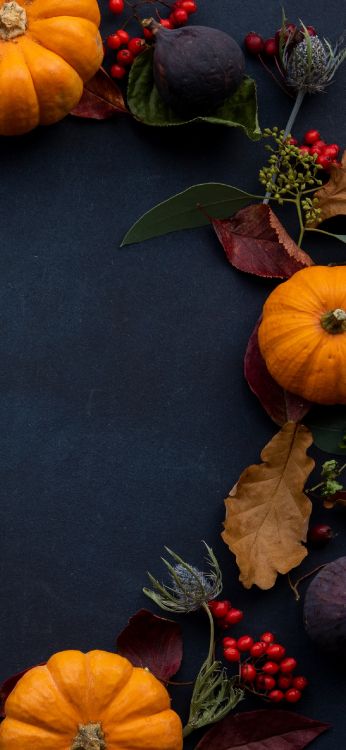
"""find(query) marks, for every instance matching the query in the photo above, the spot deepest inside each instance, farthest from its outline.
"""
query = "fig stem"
(294, 586)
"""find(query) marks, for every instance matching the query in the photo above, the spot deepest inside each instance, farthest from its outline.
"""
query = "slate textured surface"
(125, 418)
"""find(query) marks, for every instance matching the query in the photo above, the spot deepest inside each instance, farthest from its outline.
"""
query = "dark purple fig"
(196, 68)
(325, 607)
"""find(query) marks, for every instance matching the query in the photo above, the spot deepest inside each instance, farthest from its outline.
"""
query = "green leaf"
(146, 105)
(193, 207)
(328, 426)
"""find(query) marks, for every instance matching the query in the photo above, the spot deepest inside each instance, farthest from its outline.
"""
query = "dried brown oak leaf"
(267, 513)
(101, 98)
(332, 196)
(255, 241)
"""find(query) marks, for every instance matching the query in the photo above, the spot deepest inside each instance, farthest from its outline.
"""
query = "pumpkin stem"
(13, 21)
(89, 737)
(334, 321)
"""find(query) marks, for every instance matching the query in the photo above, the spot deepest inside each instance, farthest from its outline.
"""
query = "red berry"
(304, 149)
(136, 45)
(248, 673)
(260, 682)
(270, 47)
(116, 6)
(311, 31)
(117, 71)
(123, 35)
(234, 616)
(276, 652)
(166, 23)
(114, 41)
(285, 33)
(311, 136)
(220, 609)
(270, 667)
(244, 643)
(148, 34)
(229, 642)
(325, 162)
(189, 6)
(267, 638)
(231, 654)
(284, 681)
(276, 696)
(293, 695)
(300, 682)
(125, 57)
(320, 534)
(254, 43)
(269, 682)
(293, 141)
(332, 150)
(258, 649)
(320, 144)
(180, 16)
(288, 665)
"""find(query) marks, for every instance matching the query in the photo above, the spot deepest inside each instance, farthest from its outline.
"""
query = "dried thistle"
(312, 63)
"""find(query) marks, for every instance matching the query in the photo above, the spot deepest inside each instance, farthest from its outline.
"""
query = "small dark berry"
(229, 642)
(189, 6)
(284, 681)
(254, 43)
(326, 163)
(304, 149)
(293, 695)
(136, 45)
(125, 57)
(114, 41)
(166, 23)
(300, 682)
(332, 150)
(123, 35)
(180, 17)
(148, 34)
(117, 71)
(269, 682)
(311, 30)
(219, 609)
(270, 47)
(320, 534)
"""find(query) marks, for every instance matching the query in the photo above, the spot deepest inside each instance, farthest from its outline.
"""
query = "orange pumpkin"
(48, 49)
(302, 336)
(93, 701)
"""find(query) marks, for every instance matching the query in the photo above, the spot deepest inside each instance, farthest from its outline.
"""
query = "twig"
(294, 586)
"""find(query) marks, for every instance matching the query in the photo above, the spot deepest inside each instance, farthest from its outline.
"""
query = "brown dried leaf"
(101, 98)
(332, 196)
(267, 513)
(255, 241)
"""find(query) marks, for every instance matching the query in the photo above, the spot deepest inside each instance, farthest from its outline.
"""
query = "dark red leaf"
(267, 728)
(101, 98)
(7, 686)
(281, 405)
(256, 242)
(153, 642)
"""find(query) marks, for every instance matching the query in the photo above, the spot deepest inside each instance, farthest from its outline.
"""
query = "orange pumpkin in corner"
(93, 701)
(48, 50)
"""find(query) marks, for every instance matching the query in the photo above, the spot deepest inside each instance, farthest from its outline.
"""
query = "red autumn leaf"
(256, 242)
(101, 98)
(153, 642)
(7, 686)
(281, 405)
(267, 728)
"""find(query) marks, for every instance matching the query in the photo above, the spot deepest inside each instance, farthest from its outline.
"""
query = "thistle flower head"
(312, 63)
(189, 588)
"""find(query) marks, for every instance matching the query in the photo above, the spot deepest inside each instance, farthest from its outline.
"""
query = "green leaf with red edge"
(272, 729)
(7, 686)
(281, 405)
(101, 99)
(153, 642)
(255, 241)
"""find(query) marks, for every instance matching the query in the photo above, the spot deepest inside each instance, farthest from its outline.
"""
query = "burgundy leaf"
(153, 642)
(267, 728)
(101, 98)
(281, 405)
(7, 686)
(256, 242)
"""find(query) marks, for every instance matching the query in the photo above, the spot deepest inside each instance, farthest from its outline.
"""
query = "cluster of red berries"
(127, 48)
(326, 153)
(256, 45)
(264, 668)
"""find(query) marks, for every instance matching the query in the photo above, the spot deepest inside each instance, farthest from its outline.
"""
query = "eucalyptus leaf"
(192, 208)
(328, 427)
(146, 105)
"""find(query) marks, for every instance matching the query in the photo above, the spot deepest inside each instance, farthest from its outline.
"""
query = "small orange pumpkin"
(93, 701)
(302, 336)
(48, 49)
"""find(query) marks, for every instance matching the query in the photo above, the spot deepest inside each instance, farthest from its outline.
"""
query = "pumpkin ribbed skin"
(50, 703)
(300, 354)
(44, 67)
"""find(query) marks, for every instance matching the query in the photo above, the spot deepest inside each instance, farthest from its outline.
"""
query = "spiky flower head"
(189, 587)
(312, 63)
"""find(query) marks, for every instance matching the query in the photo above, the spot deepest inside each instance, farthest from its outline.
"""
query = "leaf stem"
(290, 122)
(294, 586)
(300, 218)
(210, 657)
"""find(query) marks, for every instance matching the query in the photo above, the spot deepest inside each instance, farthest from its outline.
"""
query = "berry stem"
(294, 586)
(290, 122)
(266, 67)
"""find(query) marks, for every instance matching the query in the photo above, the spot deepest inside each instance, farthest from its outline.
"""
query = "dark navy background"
(125, 418)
